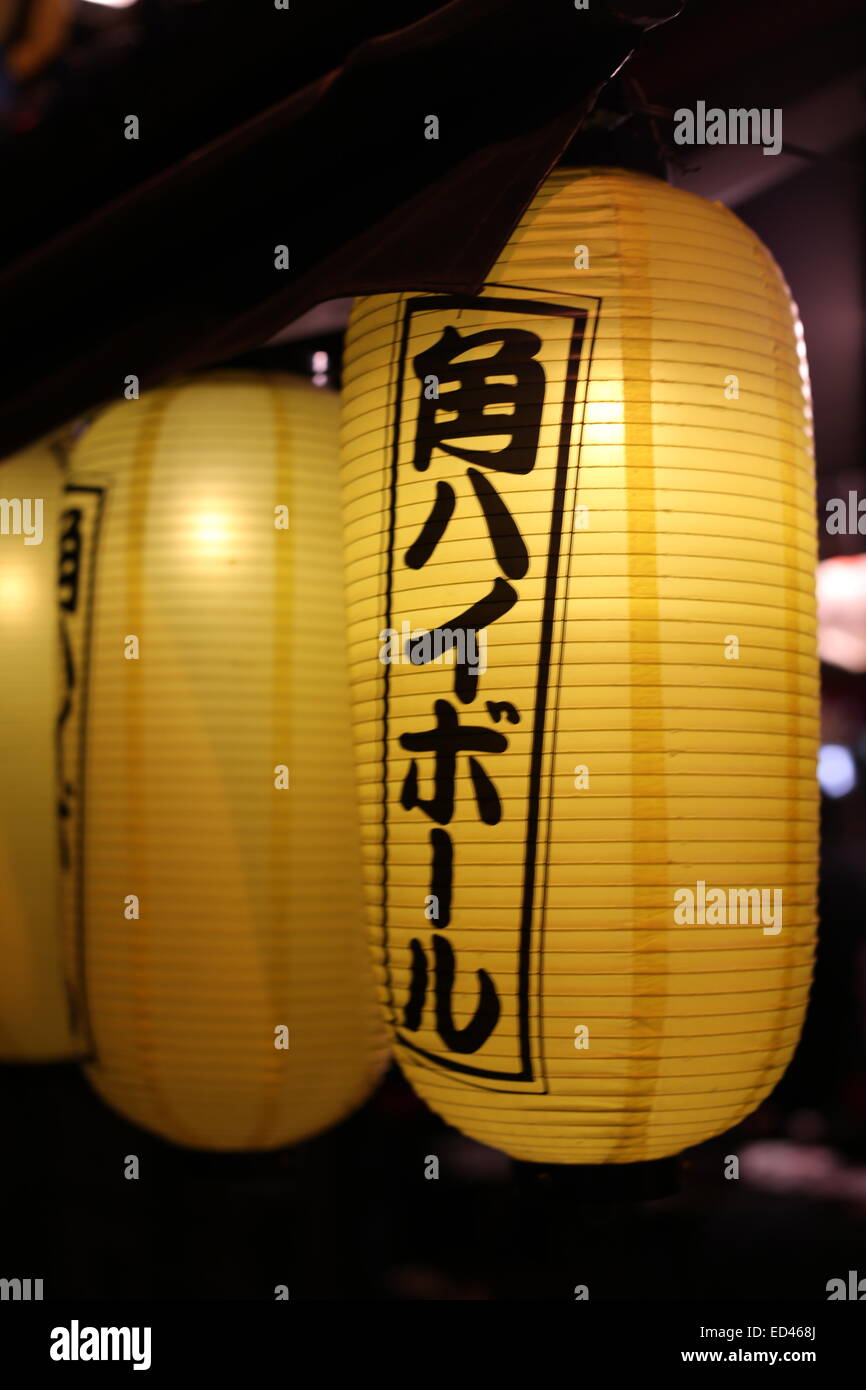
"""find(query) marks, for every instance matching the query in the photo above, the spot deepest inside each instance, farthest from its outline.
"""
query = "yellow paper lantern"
(222, 960)
(580, 539)
(35, 1023)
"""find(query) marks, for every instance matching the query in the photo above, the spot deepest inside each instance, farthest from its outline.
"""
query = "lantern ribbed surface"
(616, 484)
(34, 1017)
(250, 899)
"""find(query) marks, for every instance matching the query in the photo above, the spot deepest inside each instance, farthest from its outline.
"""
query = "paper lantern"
(35, 1023)
(580, 539)
(223, 965)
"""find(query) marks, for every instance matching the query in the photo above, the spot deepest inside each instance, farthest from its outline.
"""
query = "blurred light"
(837, 771)
(320, 368)
(780, 1166)
(211, 532)
(16, 594)
(112, 4)
(841, 587)
(776, 1165)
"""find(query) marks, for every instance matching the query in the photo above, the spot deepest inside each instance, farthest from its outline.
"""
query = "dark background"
(350, 1214)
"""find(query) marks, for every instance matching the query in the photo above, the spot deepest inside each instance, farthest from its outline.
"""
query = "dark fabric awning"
(179, 271)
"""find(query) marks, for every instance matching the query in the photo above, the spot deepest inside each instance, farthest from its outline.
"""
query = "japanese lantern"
(35, 1022)
(580, 547)
(222, 966)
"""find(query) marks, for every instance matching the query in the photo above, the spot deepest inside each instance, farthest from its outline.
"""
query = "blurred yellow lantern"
(35, 1023)
(220, 943)
(580, 542)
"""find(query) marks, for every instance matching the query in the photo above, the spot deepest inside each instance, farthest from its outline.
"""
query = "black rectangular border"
(579, 317)
(77, 987)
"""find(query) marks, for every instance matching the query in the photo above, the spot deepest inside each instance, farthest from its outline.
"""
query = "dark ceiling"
(261, 126)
